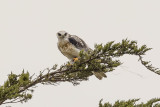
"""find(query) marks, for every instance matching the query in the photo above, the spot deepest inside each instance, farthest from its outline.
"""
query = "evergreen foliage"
(104, 58)
(11, 90)
(132, 103)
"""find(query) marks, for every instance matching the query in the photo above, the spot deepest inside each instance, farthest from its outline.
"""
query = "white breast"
(67, 49)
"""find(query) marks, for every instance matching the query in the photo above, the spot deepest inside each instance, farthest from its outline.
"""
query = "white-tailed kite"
(71, 45)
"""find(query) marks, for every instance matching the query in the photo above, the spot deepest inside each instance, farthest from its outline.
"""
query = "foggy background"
(28, 41)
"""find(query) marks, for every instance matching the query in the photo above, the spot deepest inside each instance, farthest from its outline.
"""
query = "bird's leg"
(75, 59)
(71, 62)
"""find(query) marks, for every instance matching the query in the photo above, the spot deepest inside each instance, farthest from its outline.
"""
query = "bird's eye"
(59, 34)
(65, 34)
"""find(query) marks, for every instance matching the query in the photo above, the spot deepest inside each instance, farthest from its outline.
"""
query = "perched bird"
(71, 45)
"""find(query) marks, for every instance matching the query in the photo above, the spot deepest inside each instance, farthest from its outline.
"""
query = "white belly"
(69, 50)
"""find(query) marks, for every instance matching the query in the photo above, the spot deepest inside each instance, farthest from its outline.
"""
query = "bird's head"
(62, 34)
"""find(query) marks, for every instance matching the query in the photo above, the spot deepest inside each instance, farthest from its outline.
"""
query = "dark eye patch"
(65, 34)
(59, 34)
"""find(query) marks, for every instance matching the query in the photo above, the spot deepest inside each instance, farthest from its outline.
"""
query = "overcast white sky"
(28, 41)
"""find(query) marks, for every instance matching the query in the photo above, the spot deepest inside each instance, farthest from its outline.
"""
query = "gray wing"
(78, 42)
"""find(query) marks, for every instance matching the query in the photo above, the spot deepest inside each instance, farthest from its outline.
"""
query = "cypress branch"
(132, 103)
(19, 88)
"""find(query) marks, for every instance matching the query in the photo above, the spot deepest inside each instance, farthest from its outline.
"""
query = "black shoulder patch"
(75, 43)
(72, 40)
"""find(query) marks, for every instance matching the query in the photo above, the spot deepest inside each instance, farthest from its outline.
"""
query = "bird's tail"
(99, 75)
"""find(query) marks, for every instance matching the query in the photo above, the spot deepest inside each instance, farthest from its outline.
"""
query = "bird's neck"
(62, 41)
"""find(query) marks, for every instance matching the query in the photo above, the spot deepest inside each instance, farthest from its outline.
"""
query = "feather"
(71, 45)
(77, 42)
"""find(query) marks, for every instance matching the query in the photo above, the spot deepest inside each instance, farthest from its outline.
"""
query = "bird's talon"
(75, 59)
